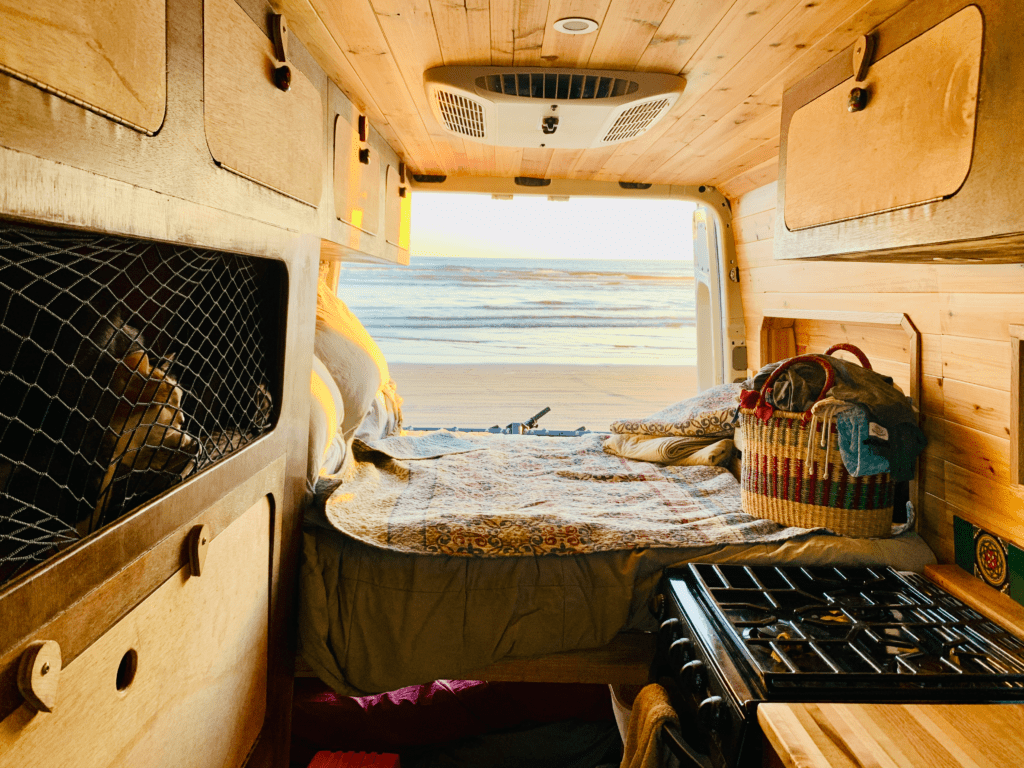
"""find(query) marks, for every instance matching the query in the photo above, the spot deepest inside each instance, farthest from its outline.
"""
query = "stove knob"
(711, 713)
(657, 605)
(668, 627)
(680, 652)
(693, 675)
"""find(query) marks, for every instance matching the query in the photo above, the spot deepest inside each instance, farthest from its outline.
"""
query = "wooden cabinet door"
(911, 143)
(271, 136)
(356, 183)
(181, 680)
(109, 57)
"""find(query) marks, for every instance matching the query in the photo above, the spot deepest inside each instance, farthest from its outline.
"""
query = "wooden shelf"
(1000, 608)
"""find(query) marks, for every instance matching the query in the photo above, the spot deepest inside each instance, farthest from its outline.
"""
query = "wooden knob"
(283, 77)
(39, 675)
(858, 99)
(198, 543)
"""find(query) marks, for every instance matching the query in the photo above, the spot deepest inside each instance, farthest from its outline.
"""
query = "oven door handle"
(687, 756)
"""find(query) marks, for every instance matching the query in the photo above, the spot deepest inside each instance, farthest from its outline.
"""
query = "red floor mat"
(353, 760)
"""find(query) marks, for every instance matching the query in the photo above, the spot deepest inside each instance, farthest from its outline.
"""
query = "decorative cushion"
(355, 362)
(327, 447)
(712, 412)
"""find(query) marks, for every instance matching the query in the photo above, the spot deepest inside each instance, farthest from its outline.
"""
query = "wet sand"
(578, 395)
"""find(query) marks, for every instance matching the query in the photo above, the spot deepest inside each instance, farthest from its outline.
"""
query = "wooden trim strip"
(1016, 403)
(990, 603)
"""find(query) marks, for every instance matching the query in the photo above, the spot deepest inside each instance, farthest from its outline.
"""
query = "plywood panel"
(253, 128)
(197, 695)
(356, 184)
(917, 129)
(110, 57)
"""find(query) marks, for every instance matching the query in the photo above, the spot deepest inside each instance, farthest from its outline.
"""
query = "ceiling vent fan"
(552, 108)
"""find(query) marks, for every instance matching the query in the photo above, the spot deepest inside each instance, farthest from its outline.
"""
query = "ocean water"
(477, 310)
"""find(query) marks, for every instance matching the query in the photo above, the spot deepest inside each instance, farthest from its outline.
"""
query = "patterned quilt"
(519, 496)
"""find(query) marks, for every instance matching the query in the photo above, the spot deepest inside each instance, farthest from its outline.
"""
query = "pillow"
(327, 448)
(672, 451)
(350, 354)
(712, 412)
(385, 416)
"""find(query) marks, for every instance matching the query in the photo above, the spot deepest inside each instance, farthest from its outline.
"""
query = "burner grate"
(858, 628)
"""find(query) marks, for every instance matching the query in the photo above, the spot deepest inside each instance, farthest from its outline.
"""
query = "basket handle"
(855, 351)
(764, 411)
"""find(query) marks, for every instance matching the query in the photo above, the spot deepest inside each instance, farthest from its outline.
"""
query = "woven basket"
(795, 477)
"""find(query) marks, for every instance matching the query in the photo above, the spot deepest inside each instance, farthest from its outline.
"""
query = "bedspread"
(526, 496)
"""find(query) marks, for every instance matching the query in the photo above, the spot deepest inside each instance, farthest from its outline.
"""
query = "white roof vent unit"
(552, 108)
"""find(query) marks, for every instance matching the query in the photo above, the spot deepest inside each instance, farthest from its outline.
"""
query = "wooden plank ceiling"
(736, 55)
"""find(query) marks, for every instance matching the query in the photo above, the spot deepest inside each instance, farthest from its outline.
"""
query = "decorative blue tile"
(995, 561)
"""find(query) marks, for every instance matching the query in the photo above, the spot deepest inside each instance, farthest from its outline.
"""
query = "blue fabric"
(859, 457)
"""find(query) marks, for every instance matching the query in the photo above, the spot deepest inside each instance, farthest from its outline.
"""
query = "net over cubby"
(126, 366)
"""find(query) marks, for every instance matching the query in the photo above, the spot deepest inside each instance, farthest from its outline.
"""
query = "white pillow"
(327, 447)
(355, 362)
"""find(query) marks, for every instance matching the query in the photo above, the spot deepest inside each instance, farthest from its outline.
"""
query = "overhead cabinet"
(905, 158)
(253, 126)
(109, 58)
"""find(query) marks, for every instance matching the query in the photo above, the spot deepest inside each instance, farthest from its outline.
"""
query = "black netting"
(125, 367)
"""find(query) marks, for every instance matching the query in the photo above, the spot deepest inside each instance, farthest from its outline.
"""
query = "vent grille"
(566, 87)
(635, 120)
(460, 114)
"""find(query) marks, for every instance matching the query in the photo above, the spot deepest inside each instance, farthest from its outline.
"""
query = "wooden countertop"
(894, 735)
(907, 735)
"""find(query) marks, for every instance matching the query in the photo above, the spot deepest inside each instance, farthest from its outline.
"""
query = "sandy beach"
(482, 395)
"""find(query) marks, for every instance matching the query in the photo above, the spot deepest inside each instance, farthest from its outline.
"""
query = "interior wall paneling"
(204, 637)
(965, 314)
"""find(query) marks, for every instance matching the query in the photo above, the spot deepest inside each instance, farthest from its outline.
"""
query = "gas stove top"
(858, 628)
(735, 636)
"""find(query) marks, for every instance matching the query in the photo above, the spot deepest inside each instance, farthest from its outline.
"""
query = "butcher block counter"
(905, 735)
(893, 735)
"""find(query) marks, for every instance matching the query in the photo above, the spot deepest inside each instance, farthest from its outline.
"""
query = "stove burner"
(820, 626)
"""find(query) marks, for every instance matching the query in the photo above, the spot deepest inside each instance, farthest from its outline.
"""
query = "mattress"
(374, 620)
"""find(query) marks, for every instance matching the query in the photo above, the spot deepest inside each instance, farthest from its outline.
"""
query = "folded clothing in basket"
(898, 442)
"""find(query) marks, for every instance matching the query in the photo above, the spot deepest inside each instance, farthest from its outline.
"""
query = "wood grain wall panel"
(529, 32)
(983, 408)
(756, 177)
(626, 32)
(963, 312)
(977, 361)
(463, 31)
(110, 57)
(571, 50)
(990, 504)
(684, 28)
(936, 519)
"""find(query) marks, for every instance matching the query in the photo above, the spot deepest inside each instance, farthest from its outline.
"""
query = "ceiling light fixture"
(574, 25)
